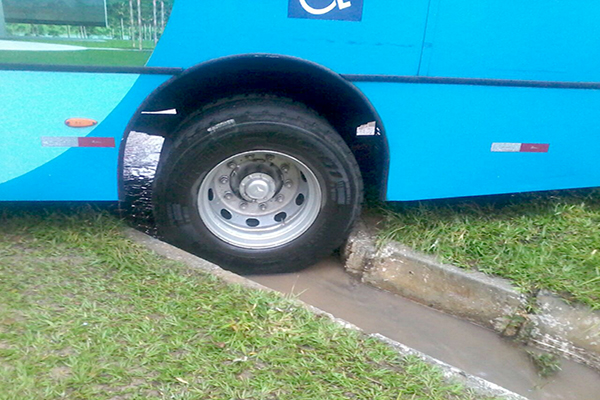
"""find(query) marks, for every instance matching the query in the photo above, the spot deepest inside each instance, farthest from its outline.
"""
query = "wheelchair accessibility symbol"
(320, 11)
(344, 10)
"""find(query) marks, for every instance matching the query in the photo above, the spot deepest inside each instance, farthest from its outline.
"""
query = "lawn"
(101, 52)
(539, 241)
(87, 314)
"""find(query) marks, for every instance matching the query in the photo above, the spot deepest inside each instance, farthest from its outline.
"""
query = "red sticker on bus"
(96, 142)
(534, 147)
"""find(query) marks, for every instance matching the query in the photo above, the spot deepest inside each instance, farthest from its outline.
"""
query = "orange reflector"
(80, 122)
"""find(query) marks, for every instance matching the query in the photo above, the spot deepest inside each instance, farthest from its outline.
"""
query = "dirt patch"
(60, 373)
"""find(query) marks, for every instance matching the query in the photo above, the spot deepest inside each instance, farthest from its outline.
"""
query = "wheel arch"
(319, 88)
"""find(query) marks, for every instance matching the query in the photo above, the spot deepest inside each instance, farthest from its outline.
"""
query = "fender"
(232, 75)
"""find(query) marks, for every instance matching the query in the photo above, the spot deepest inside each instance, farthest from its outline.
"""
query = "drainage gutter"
(477, 385)
(542, 320)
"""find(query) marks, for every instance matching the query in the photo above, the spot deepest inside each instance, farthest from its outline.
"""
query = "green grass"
(546, 364)
(87, 314)
(548, 241)
(83, 57)
(125, 55)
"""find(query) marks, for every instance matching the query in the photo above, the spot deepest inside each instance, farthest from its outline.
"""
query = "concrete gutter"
(543, 320)
(477, 385)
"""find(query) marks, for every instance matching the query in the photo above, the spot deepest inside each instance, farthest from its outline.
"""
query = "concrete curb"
(476, 385)
(570, 330)
(553, 325)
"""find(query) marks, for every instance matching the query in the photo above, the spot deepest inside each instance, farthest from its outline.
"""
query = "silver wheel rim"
(259, 199)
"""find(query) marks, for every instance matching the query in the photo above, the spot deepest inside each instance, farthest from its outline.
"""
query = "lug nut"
(232, 165)
(228, 196)
(243, 205)
(288, 183)
(279, 198)
(285, 168)
(262, 206)
(224, 179)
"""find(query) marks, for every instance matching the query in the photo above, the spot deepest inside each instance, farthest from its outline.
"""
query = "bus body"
(445, 98)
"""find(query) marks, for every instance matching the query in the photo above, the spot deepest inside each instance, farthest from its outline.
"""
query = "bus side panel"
(387, 40)
(34, 164)
(514, 39)
(35, 106)
(460, 140)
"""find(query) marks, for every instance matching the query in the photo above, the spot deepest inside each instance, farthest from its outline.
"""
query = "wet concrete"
(326, 286)
(476, 350)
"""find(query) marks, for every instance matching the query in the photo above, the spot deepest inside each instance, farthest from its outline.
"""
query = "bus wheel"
(257, 185)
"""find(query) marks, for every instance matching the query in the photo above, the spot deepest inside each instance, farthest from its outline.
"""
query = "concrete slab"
(562, 328)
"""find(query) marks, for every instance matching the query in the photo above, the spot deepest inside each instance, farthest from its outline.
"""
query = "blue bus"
(276, 113)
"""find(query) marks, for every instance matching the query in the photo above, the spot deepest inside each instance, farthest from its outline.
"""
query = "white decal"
(369, 129)
(62, 141)
(506, 147)
(220, 125)
(171, 111)
(342, 4)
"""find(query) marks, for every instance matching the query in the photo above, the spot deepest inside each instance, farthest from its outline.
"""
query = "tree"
(132, 19)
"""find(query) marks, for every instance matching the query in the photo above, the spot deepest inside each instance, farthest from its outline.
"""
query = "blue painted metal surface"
(33, 172)
(513, 39)
(29, 115)
(387, 40)
(440, 136)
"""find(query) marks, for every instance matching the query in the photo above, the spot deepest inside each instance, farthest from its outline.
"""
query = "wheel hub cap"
(259, 199)
(257, 187)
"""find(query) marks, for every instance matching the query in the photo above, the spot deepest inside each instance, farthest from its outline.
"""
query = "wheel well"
(326, 92)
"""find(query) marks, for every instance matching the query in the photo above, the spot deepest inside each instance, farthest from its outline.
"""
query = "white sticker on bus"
(342, 4)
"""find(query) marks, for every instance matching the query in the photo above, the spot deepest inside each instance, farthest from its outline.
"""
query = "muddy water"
(459, 343)
(326, 286)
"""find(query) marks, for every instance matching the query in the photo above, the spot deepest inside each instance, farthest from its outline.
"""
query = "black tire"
(254, 162)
